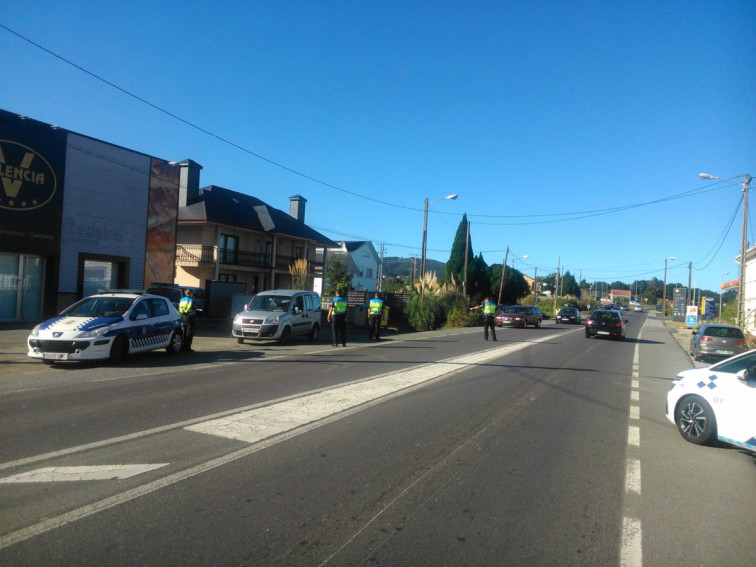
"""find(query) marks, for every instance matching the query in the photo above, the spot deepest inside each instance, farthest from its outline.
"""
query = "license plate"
(252, 330)
(718, 351)
(602, 332)
(55, 356)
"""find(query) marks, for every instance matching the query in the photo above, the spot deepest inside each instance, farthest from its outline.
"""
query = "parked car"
(519, 316)
(569, 315)
(717, 340)
(605, 323)
(716, 402)
(175, 292)
(279, 315)
(108, 326)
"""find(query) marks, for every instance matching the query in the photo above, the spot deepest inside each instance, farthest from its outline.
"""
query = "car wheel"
(538, 324)
(240, 340)
(695, 420)
(119, 349)
(587, 335)
(176, 344)
(285, 334)
(314, 333)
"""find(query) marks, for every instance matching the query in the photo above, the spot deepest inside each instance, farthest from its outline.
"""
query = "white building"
(362, 261)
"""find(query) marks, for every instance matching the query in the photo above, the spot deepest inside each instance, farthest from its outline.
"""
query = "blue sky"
(573, 132)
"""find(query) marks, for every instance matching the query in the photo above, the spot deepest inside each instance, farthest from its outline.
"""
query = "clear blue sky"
(573, 132)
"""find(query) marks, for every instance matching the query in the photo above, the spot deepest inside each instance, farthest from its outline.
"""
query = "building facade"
(229, 237)
(78, 215)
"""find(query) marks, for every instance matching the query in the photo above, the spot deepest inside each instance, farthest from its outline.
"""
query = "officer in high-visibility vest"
(375, 314)
(188, 316)
(489, 317)
(337, 317)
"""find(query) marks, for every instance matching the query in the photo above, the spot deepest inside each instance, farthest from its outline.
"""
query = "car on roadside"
(175, 292)
(519, 316)
(716, 403)
(605, 323)
(717, 340)
(278, 315)
(569, 315)
(109, 325)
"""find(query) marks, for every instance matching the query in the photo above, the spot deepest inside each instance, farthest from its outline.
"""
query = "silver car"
(279, 315)
(717, 340)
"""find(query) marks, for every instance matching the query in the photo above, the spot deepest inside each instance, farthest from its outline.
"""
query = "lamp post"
(721, 293)
(425, 230)
(743, 245)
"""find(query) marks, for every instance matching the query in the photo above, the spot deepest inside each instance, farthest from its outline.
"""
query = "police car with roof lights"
(108, 325)
(717, 403)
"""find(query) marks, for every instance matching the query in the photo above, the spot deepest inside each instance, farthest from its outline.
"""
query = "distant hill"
(394, 266)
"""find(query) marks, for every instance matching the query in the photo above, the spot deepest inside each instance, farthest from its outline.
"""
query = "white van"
(279, 315)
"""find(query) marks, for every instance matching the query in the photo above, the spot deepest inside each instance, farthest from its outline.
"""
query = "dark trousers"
(338, 327)
(374, 326)
(188, 322)
(488, 321)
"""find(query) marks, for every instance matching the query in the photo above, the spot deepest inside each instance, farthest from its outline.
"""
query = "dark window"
(229, 246)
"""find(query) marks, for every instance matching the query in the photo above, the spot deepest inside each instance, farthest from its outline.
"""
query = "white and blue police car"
(717, 403)
(110, 326)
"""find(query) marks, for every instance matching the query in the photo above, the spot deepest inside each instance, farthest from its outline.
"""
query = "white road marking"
(631, 547)
(77, 474)
(260, 423)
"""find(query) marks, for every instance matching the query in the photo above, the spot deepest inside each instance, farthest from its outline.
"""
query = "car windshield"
(735, 365)
(514, 310)
(269, 303)
(100, 307)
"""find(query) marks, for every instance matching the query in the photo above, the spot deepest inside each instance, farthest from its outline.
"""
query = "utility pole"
(743, 247)
(380, 267)
(503, 271)
(664, 292)
(556, 284)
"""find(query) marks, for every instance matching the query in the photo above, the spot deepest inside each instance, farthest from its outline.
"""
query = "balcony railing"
(196, 254)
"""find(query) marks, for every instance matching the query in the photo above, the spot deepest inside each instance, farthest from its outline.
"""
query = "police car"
(110, 326)
(717, 403)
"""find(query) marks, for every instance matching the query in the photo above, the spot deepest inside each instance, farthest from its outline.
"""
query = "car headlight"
(34, 332)
(238, 319)
(272, 320)
(94, 333)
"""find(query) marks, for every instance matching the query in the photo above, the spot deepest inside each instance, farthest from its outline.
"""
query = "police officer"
(188, 315)
(337, 318)
(489, 313)
(375, 314)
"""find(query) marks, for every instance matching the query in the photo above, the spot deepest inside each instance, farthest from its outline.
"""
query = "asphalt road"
(423, 449)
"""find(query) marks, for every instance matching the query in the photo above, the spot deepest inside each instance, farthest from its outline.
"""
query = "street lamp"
(721, 292)
(425, 230)
(743, 245)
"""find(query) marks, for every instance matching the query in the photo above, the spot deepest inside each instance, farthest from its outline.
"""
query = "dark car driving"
(569, 315)
(519, 316)
(605, 323)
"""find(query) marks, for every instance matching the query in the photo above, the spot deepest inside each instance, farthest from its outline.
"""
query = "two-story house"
(227, 236)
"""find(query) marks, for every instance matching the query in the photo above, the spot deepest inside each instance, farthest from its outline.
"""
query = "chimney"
(189, 182)
(297, 207)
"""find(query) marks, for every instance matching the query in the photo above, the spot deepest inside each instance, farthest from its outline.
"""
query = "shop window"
(98, 273)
